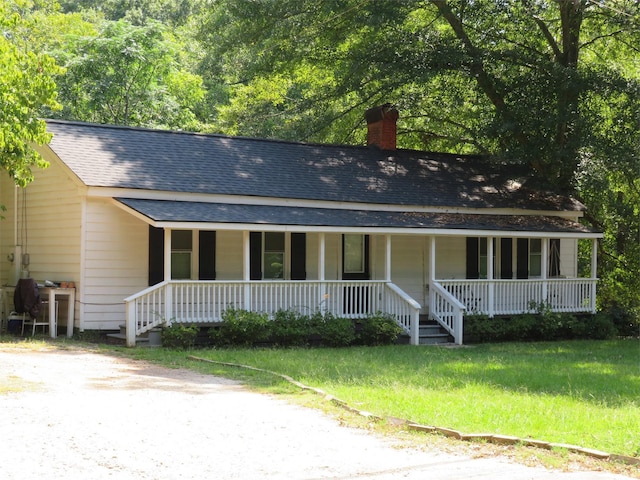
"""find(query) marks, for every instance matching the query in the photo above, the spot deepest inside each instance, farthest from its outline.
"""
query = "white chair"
(42, 320)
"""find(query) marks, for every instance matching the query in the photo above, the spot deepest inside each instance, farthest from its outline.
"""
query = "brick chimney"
(381, 126)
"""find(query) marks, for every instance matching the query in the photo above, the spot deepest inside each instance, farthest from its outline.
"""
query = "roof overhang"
(228, 216)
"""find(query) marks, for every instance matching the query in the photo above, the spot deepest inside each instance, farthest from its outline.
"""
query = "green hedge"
(291, 329)
(541, 325)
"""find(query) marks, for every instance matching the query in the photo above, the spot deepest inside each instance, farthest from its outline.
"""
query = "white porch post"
(594, 273)
(432, 271)
(246, 268)
(321, 256)
(322, 301)
(168, 299)
(387, 258)
(490, 275)
(545, 270)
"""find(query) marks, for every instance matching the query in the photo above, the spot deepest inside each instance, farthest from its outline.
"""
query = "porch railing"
(447, 310)
(194, 302)
(512, 297)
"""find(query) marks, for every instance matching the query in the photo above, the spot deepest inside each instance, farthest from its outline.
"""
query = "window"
(181, 241)
(478, 257)
(535, 257)
(277, 255)
(353, 254)
(273, 255)
(527, 253)
(355, 257)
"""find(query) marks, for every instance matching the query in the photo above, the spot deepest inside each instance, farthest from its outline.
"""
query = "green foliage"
(333, 331)
(241, 328)
(26, 86)
(378, 329)
(541, 325)
(179, 336)
(290, 329)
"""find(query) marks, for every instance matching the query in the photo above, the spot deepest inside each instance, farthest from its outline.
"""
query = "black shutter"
(522, 255)
(506, 258)
(156, 255)
(255, 255)
(473, 258)
(207, 255)
(298, 256)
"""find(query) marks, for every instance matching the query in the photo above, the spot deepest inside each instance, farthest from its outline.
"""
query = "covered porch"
(446, 299)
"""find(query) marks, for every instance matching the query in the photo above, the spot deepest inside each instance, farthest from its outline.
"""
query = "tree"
(26, 85)
(514, 79)
(551, 84)
(129, 75)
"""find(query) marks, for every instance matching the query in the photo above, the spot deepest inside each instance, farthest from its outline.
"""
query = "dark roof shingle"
(133, 158)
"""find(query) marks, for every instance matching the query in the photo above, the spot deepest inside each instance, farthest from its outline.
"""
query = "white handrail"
(447, 310)
(205, 301)
(512, 297)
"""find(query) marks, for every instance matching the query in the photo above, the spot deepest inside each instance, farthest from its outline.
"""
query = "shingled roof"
(143, 159)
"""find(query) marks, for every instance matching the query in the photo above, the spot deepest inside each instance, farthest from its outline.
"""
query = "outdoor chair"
(42, 320)
(27, 302)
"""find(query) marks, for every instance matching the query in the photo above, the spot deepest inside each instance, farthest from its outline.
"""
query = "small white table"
(52, 293)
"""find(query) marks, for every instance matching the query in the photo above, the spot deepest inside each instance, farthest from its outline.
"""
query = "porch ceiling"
(178, 214)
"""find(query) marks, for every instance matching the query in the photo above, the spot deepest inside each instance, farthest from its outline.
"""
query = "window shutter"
(156, 255)
(506, 258)
(207, 255)
(522, 266)
(473, 258)
(298, 256)
(255, 255)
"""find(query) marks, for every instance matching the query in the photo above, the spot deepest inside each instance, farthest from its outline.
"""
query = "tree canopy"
(553, 85)
(27, 83)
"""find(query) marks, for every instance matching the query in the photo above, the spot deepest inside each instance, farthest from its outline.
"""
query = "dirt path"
(78, 415)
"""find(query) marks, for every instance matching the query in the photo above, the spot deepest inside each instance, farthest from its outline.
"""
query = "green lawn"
(585, 393)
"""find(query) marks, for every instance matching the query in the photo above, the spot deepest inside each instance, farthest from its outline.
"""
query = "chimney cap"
(381, 112)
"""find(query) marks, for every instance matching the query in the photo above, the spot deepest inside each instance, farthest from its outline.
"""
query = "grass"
(585, 393)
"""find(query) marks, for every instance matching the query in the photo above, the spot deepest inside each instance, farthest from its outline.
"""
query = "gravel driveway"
(90, 416)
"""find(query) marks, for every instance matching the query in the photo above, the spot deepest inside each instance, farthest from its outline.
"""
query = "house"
(155, 227)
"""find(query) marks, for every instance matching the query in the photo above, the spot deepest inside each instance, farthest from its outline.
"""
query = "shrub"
(378, 329)
(290, 329)
(179, 336)
(333, 331)
(543, 325)
(241, 328)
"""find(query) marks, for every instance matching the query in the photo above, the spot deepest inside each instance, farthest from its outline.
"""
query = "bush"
(290, 329)
(179, 336)
(241, 328)
(378, 329)
(333, 331)
(543, 325)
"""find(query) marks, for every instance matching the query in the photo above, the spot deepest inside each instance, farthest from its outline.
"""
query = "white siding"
(116, 263)
(49, 229)
(229, 255)
(409, 265)
(451, 260)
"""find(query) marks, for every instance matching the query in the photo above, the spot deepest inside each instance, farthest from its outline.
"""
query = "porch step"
(144, 339)
(432, 334)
